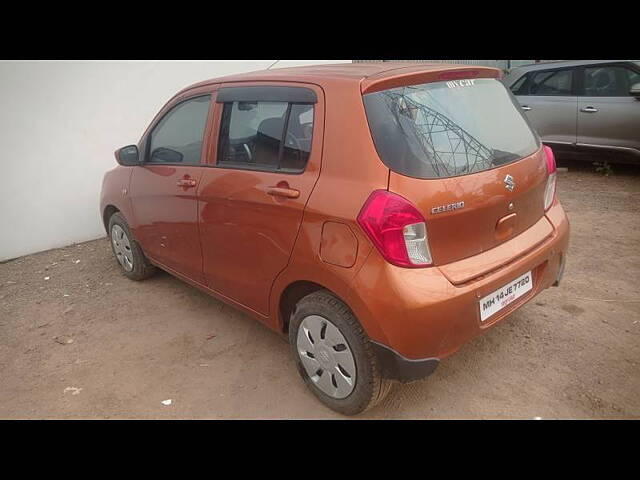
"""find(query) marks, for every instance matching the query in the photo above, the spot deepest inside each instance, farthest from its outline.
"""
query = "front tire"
(334, 356)
(130, 257)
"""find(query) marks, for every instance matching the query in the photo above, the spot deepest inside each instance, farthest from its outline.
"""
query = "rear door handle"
(526, 108)
(589, 109)
(186, 182)
(283, 192)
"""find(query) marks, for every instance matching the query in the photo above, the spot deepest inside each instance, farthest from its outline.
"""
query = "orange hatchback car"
(378, 215)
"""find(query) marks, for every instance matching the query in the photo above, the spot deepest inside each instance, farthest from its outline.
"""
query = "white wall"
(60, 122)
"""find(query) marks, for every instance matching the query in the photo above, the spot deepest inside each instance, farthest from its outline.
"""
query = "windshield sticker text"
(461, 83)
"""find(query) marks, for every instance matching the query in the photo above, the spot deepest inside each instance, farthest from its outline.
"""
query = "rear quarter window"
(447, 129)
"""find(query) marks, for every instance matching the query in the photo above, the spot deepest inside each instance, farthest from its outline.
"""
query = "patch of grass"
(603, 167)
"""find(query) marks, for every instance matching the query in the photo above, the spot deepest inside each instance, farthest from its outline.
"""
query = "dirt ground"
(79, 340)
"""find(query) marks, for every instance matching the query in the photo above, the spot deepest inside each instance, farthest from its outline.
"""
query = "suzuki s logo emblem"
(509, 183)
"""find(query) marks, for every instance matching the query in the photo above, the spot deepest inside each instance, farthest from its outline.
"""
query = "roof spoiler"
(418, 75)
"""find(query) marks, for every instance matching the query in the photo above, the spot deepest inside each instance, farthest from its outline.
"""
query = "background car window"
(609, 81)
(518, 87)
(556, 82)
(251, 135)
(177, 138)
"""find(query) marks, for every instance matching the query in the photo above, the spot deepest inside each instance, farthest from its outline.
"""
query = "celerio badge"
(447, 208)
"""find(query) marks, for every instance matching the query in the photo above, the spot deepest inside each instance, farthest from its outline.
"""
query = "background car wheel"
(334, 355)
(128, 253)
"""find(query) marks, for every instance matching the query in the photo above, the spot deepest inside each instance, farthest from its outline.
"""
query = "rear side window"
(177, 138)
(266, 135)
(609, 81)
(446, 129)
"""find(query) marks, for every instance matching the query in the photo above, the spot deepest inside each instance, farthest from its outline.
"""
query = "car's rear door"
(463, 154)
(164, 188)
(549, 101)
(608, 116)
(264, 164)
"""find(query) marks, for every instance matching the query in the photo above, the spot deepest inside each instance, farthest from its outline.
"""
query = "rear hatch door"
(463, 153)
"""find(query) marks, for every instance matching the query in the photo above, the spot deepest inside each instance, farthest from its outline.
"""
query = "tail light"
(396, 228)
(550, 189)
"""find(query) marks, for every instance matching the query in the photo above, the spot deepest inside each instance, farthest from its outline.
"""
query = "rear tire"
(324, 336)
(133, 263)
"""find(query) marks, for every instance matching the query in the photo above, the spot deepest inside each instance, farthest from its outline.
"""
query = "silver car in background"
(583, 105)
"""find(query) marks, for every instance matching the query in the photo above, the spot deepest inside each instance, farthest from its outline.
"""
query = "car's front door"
(548, 99)
(164, 188)
(266, 161)
(608, 116)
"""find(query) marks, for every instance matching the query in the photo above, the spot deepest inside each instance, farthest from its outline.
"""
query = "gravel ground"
(79, 340)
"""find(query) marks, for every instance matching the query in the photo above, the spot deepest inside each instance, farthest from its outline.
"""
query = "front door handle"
(186, 183)
(526, 108)
(589, 109)
(283, 192)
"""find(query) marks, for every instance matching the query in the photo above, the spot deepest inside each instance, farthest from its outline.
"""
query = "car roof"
(341, 72)
(562, 64)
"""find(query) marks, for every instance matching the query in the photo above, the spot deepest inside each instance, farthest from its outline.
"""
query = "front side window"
(446, 129)
(555, 82)
(609, 81)
(266, 135)
(177, 138)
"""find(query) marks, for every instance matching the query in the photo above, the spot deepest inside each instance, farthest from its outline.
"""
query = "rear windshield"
(446, 129)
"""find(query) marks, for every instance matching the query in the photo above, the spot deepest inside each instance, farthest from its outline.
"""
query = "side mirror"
(128, 156)
(635, 90)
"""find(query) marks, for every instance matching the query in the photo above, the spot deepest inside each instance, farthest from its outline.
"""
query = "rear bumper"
(418, 316)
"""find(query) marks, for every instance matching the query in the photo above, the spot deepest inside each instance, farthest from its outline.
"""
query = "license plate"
(496, 301)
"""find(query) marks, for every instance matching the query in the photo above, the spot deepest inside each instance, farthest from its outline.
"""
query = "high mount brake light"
(458, 74)
(396, 228)
(550, 189)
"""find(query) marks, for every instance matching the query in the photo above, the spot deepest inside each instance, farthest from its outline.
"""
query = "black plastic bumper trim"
(396, 367)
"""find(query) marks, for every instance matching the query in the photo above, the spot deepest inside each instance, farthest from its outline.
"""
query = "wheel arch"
(291, 295)
(298, 289)
(107, 213)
